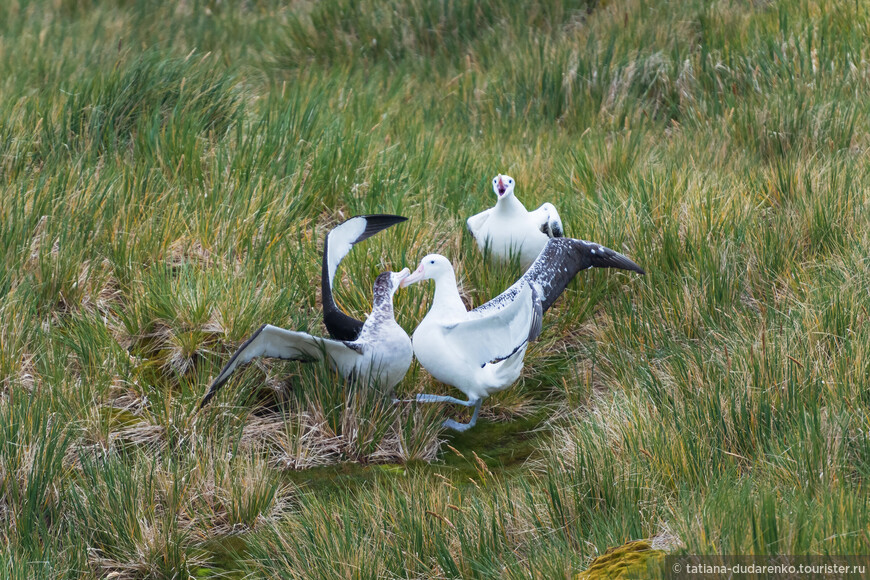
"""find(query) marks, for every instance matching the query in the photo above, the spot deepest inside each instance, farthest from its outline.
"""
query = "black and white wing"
(547, 219)
(273, 342)
(497, 335)
(338, 243)
(558, 263)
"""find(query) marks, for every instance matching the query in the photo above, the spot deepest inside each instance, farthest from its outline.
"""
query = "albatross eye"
(510, 180)
(431, 261)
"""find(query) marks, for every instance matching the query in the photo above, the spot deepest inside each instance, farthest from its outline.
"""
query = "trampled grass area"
(168, 172)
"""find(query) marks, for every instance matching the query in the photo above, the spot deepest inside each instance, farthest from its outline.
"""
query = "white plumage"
(481, 351)
(508, 229)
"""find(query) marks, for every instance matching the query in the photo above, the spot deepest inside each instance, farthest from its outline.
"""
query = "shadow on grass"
(502, 446)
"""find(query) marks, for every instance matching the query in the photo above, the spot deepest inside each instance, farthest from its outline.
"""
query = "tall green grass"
(169, 172)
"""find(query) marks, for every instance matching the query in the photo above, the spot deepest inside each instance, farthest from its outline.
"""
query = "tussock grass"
(169, 172)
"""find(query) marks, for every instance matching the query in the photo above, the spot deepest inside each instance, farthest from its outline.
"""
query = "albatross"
(510, 229)
(481, 351)
(381, 353)
(377, 349)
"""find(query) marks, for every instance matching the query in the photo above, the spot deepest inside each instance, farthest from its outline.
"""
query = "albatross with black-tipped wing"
(481, 351)
(382, 352)
(556, 265)
(509, 229)
(338, 243)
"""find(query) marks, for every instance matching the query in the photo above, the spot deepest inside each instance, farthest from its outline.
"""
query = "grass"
(169, 172)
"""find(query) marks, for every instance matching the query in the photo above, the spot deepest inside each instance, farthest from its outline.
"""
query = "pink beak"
(501, 186)
(415, 277)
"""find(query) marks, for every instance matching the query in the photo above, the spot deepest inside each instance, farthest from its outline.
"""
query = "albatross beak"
(501, 186)
(396, 278)
(415, 277)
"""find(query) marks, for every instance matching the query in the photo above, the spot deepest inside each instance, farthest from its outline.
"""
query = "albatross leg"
(424, 398)
(451, 424)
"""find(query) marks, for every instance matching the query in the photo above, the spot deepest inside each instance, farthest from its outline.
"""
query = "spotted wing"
(558, 263)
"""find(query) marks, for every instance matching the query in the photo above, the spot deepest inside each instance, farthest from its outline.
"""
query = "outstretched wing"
(475, 222)
(338, 243)
(497, 335)
(271, 341)
(558, 263)
(547, 219)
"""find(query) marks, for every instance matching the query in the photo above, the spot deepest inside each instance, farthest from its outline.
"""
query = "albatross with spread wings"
(377, 350)
(338, 243)
(481, 351)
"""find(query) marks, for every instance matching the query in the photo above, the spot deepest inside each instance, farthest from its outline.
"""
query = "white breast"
(515, 235)
(389, 357)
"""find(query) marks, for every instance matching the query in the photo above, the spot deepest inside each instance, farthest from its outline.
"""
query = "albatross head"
(432, 266)
(387, 283)
(503, 185)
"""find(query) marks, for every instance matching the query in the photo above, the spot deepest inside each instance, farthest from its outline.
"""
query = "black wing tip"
(208, 397)
(603, 257)
(391, 217)
(624, 263)
(215, 387)
(377, 222)
(212, 391)
(339, 325)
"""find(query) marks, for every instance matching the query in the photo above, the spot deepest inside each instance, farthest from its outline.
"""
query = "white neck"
(509, 204)
(447, 299)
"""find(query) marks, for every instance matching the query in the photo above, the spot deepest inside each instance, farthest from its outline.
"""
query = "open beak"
(415, 277)
(500, 186)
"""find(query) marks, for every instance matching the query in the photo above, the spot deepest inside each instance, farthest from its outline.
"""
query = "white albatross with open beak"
(509, 229)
